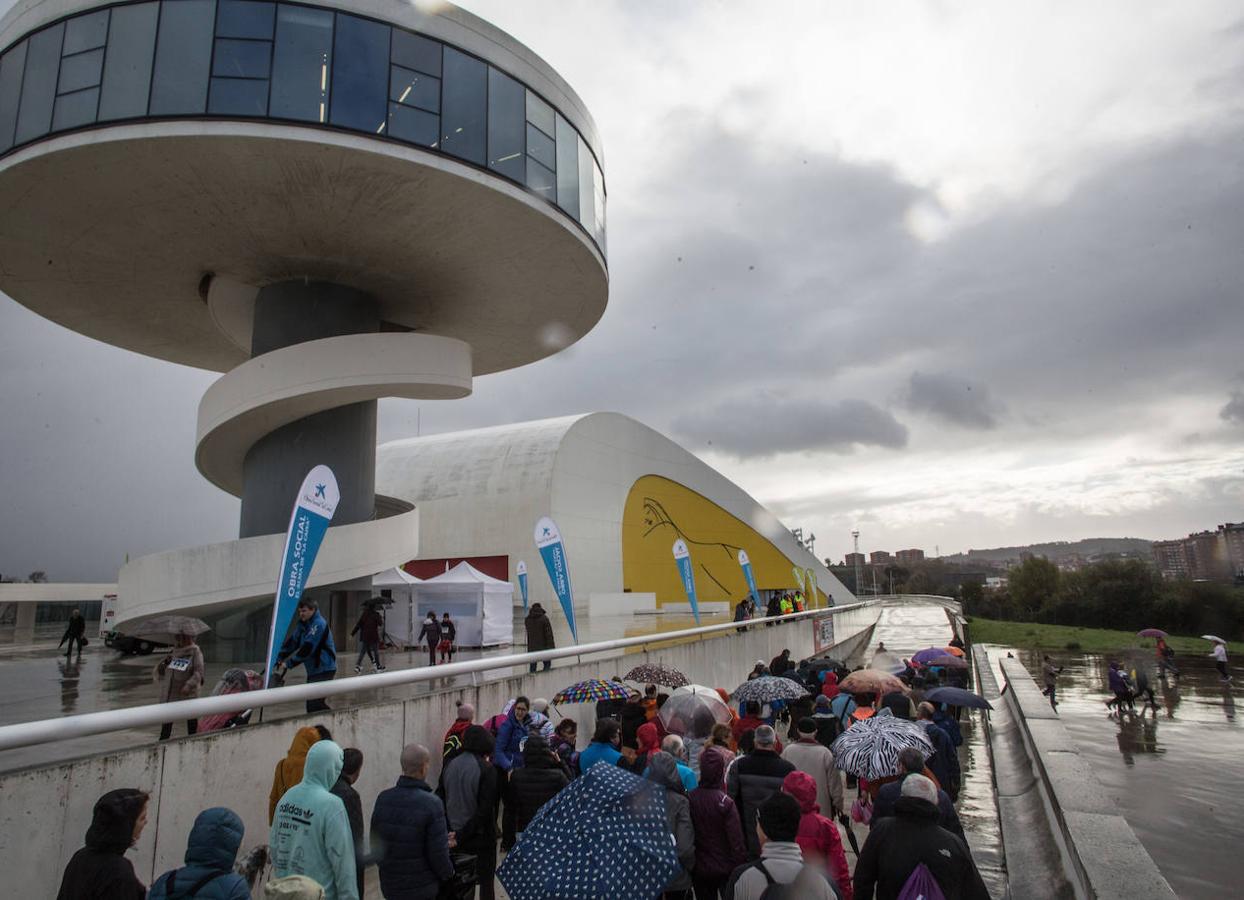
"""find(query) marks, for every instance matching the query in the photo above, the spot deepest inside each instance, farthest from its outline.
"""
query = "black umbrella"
(953, 696)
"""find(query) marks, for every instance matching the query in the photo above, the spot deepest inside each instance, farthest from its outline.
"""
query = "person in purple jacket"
(719, 846)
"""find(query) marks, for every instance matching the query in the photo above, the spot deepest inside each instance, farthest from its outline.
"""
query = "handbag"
(466, 874)
(862, 810)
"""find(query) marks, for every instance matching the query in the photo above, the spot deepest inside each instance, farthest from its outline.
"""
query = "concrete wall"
(1100, 855)
(45, 811)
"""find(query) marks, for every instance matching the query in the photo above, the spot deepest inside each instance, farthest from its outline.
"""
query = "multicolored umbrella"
(590, 691)
(603, 835)
(694, 713)
(953, 696)
(870, 748)
(768, 688)
(655, 673)
(1151, 632)
(870, 681)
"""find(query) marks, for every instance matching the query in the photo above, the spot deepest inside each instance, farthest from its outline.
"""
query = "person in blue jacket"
(211, 852)
(310, 645)
(512, 734)
(409, 835)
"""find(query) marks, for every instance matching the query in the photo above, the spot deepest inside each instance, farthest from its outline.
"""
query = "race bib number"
(181, 664)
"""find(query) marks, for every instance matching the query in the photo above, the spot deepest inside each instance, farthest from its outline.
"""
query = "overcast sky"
(954, 274)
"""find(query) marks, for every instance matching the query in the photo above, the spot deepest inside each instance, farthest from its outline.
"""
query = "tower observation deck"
(329, 203)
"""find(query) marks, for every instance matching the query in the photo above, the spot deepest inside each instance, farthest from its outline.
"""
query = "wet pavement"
(904, 630)
(1173, 771)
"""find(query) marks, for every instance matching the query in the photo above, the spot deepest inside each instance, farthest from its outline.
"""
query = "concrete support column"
(24, 627)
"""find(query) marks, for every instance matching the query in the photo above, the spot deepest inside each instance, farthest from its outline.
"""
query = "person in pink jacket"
(818, 837)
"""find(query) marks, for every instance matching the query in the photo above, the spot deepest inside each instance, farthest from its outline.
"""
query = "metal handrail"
(27, 734)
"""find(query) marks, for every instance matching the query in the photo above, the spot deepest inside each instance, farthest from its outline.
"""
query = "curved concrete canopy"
(207, 579)
(109, 233)
(280, 387)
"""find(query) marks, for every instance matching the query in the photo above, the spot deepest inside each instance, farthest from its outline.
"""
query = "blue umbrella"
(953, 696)
(603, 835)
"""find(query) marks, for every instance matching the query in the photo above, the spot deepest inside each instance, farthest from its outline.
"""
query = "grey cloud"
(953, 400)
(1234, 410)
(762, 426)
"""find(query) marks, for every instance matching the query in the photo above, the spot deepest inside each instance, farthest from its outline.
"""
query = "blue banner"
(746, 564)
(313, 510)
(553, 552)
(522, 582)
(682, 556)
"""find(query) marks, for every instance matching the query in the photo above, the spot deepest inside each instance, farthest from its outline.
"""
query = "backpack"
(921, 885)
(794, 889)
(773, 890)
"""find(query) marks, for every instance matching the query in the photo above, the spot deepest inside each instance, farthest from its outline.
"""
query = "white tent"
(481, 606)
(400, 618)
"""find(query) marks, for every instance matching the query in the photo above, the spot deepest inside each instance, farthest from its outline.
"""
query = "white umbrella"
(1214, 638)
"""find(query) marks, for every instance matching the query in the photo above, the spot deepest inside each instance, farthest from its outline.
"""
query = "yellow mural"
(659, 511)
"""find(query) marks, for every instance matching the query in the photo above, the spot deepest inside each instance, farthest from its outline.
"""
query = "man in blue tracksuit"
(310, 645)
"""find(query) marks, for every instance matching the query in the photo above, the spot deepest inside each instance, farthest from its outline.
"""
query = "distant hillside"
(1058, 551)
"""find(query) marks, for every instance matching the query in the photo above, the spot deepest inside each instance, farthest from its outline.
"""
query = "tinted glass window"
(598, 205)
(414, 89)
(413, 125)
(540, 147)
(73, 110)
(11, 67)
(464, 92)
(183, 56)
(241, 59)
(127, 65)
(541, 180)
(86, 32)
(360, 74)
(81, 71)
(244, 19)
(238, 96)
(540, 114)
(587, 214)
(415, 52)
(39, 84)
(507, 125)
(303, 56)
(567, 167)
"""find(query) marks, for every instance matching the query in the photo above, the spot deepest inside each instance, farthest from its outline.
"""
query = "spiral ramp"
(260, 396)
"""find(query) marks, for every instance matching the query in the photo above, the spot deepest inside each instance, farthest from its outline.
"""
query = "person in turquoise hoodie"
(210, 855)
(311, 832)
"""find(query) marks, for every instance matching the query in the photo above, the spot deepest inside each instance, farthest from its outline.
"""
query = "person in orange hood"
(289, 770)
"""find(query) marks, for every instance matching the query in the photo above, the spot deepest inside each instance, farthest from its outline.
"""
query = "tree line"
(1123, 594)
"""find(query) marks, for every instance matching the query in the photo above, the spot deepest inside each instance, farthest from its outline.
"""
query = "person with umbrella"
(1219, 655)
(1049, 674)
(1166, 657)
(75, 634)
(368, 629)
(180, 674)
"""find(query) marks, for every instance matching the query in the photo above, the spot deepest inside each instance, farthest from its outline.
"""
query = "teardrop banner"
(682, 557)
(313, 510)
(553, 552)
(522, 582)
(812, 592)
(746, 564)
(798, 573)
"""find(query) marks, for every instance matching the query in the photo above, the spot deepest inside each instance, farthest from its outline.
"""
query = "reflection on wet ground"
(905, 630)
(41, 684)
(1174, 769)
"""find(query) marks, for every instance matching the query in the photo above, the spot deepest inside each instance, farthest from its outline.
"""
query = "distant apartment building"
(1203, 556)
(880, 558)
(907, 557)
(855, 559)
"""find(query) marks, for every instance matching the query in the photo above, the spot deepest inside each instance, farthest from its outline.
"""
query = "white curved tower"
(329, 202)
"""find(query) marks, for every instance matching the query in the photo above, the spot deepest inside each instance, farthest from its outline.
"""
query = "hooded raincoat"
(100, 871)
(211, 852)
(719, 847)
(818, 837)
(289, 770)
(311, 832)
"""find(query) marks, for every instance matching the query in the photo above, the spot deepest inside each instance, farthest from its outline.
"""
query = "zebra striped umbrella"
(870, 748)
(766, 689)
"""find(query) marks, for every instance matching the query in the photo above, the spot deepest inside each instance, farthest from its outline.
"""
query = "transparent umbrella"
(694, 713)
(165, 629)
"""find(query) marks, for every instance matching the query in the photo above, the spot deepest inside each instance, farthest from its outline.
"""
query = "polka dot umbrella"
(604, 835)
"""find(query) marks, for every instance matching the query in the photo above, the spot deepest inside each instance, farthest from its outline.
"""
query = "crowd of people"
(759, 802)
